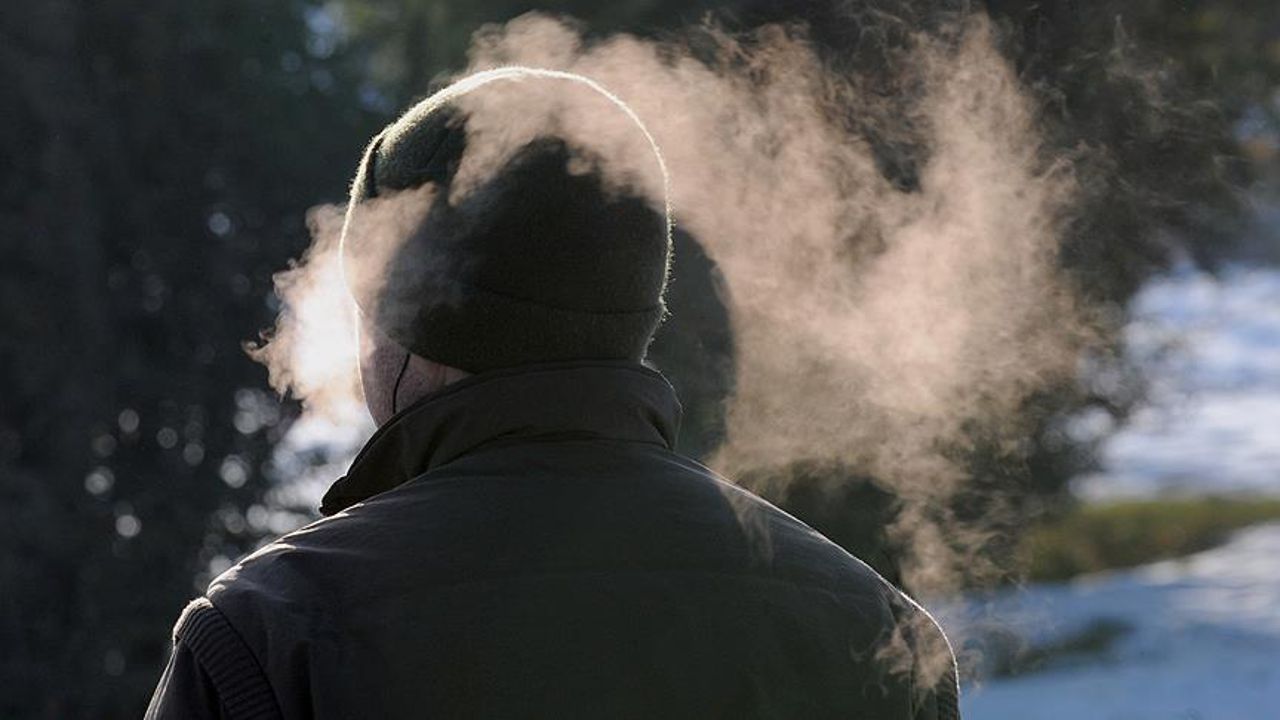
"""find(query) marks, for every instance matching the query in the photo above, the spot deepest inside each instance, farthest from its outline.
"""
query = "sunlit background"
(159, 160)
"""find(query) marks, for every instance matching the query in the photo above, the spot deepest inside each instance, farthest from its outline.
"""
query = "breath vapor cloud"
(875, 324)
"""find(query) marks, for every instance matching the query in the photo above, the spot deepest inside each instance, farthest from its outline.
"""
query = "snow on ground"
(1192, 638)
(1199, 638)
(1211, 350)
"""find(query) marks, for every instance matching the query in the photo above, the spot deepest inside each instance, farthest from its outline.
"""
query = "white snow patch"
(1210, 347)
(1203, 640)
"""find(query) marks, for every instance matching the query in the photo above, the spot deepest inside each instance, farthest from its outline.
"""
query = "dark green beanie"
(535, 264)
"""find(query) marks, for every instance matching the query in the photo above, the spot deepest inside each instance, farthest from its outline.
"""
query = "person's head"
(540, 261)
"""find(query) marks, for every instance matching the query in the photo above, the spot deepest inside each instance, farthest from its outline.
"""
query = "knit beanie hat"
(540, 261)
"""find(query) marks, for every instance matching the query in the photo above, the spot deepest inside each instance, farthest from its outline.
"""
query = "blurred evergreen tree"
(414, 43)
(158, 159)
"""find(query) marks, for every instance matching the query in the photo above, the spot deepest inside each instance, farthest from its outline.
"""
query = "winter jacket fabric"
(526, 544)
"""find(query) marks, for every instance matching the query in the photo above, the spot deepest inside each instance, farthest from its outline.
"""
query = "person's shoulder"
(919, 647)
(298, 560)
(909, 640)
(317, 568)
(279, 595)
(787, 544)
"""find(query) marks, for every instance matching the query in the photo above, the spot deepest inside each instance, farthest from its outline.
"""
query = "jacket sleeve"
(935, 687)
(941, 700)
(211, 675)
(185, 690)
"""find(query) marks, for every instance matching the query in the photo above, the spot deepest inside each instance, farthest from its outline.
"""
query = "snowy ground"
(1196, 638)
(1211, 350)
(1193, 638)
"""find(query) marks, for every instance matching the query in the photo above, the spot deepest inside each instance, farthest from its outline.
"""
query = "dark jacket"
(525, 543)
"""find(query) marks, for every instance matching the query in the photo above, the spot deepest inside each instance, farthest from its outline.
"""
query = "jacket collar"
(614, 400)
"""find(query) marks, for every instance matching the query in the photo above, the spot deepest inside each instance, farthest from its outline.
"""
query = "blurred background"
(157, 161)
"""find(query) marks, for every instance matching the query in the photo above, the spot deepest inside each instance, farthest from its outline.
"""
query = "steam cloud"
(874, 324)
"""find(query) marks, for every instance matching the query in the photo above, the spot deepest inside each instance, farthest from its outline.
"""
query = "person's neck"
(613, 400)
(423, 377)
